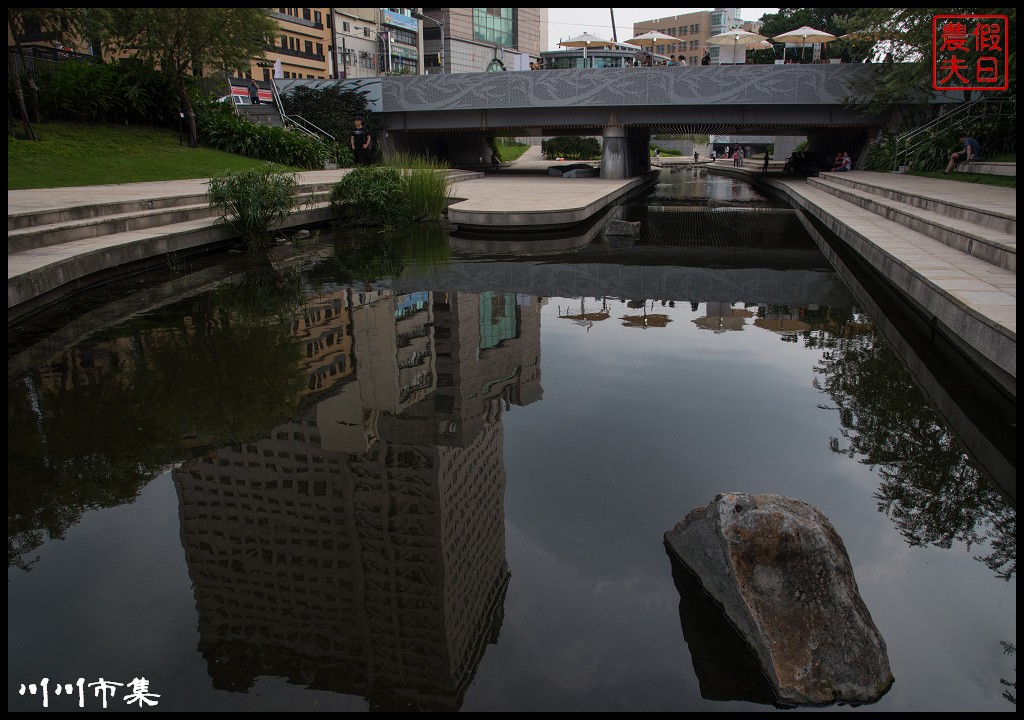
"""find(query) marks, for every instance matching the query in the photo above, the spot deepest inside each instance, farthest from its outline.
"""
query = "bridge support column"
(625, 152)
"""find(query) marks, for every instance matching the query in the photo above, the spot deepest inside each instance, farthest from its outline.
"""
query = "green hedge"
(571, 148)
(129, 92)
(220, 128)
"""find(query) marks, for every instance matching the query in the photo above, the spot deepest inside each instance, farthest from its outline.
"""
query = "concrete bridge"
(451, 116)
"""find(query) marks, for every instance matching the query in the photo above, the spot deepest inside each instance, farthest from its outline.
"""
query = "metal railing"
(309, 127)
(955, 119)
(297, 122)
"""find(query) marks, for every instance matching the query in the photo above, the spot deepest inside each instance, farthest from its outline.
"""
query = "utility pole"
(614, 36)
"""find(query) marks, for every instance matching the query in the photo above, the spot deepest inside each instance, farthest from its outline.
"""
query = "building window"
(345, 27)
(305, 14)
(317, 17)
(307, 47)
(496, 26)
(319, 48)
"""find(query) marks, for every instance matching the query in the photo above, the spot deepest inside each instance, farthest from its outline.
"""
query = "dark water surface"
(408, 473)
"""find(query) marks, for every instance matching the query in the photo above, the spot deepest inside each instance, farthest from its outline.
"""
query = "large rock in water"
(781, 574)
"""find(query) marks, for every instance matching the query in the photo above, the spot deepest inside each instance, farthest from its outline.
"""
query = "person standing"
(706, 58)
(254, 92)
(359, 140)
(766, 159)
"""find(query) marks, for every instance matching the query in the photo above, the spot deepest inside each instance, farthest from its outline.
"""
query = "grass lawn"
(67, 155)
(511, 151)
(997, 180)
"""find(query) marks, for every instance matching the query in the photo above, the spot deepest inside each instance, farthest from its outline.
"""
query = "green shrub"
(571, 148)
(994, 131)
(373, 194)
(255, 202)
(333, 110)
(129, 92)
(220, 128)
(407, 189)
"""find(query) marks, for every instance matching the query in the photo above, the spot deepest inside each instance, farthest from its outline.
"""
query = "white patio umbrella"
(651, 38)
(804, 35)
(737, 37)
(584, 41)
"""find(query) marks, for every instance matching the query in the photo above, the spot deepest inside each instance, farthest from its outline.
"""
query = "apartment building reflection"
(361, 547)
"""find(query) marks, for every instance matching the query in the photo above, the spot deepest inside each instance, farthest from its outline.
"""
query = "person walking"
(254, 92)
(359, 140)
(706, 58)
(766, 159)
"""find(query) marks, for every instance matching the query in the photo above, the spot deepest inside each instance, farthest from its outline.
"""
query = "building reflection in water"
(360, 548)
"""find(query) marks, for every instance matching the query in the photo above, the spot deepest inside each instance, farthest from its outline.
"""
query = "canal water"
(420, 472)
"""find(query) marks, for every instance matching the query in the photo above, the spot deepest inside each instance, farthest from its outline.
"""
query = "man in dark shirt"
(359, 140)
(971, 151)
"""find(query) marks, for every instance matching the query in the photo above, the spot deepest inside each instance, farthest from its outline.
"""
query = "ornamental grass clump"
(427, 183)
(407, 189)
(255, 202)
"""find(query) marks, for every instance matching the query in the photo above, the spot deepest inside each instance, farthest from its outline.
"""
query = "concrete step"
(992, 246)
(969, 300)
(262, 114)
(74, 213)
(981, 217)
(982, 167)
(43, 235)
(97, 221)
(41, 275)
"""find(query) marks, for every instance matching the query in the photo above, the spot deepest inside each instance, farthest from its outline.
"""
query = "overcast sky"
(564, 23)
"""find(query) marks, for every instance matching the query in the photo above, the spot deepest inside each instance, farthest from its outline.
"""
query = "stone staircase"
(53, 253)
(262, 114)
(948, 247)
(985, 234)
(80, 237)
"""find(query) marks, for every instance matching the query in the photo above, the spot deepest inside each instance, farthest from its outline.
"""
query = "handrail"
(320, 130)
(231, 96)
(300, 122)
(954, 119)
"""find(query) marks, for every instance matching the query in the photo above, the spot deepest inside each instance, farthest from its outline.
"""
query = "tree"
(184, 41)
(75, 25)
(905, 35)
(832, 20)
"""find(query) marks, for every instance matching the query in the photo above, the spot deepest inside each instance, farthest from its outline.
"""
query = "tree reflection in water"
(929, 487)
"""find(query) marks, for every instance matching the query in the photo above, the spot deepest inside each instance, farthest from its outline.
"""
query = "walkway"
(950, 246)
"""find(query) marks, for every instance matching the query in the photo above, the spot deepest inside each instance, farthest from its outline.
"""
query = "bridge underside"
(462, 138)
(459, 111)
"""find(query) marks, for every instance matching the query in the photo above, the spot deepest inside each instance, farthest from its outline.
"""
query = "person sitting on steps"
(971, 151)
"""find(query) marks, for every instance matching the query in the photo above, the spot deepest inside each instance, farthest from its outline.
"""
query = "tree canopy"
(190, 41)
